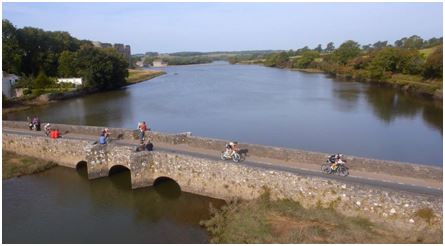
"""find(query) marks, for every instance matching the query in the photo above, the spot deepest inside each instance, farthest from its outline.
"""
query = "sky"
(173, 27)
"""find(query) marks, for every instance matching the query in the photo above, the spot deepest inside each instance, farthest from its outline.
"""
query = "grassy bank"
(308, 70)
(413, 84)
(285, 221)
(25, 102)
(135, 76)
(14, 165)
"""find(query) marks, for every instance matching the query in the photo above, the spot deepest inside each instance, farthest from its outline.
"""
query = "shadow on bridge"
(167, 188)
(120, 177)
(82, 169)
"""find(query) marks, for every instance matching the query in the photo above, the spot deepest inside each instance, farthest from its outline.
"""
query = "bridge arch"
(120, 177)
(118, 169)
(82, 169)
(167, 187)
(81, 165)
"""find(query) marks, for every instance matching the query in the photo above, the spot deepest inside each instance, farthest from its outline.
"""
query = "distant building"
(125, 50)
(140, 64)
(120, 48)
(127, 53)
(106, 45)
(97, 44)
(8, 81)
(76, 81)
(159, 63)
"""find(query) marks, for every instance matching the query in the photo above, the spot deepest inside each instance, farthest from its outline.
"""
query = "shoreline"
(46, 99)
(17, 165)
(267, 220)
(414, 88)
(136, 76)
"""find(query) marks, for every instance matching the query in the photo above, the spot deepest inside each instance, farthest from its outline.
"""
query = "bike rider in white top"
(232, 147)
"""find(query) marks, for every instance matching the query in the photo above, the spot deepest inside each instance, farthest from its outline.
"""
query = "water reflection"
(389, 104)
(106, 109)
(164, 200)
(347, 95)
(433, 116)
(60, 206)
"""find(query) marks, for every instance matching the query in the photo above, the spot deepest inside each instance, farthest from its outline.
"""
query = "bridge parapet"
(226, 180)
(65, 152)
(395, 168)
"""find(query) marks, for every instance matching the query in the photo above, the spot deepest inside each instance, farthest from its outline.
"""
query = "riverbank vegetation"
(285, 221)
(188, 58)
(14, 165)
(411, 63)
(135, 76)
(39, 57)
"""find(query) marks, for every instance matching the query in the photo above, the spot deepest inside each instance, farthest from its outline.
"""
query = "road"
(273, 165)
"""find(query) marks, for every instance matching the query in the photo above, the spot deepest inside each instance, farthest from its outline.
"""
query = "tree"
(413, 42)
(11, 52)
(301, 50)
(347, 51)
(329, 47)
(397, 60)
(380, 44)
(433, 67)
(306, 59)
(67, 64)
(367, 47)
(101, 68)
(432, 42)
(42, 81)
(277, 60)
(318, 48)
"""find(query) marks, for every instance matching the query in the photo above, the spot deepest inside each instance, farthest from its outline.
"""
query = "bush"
(38, 92)
(306, 59)
(433, 67)
(42, 81)
(425, 213)
(27, 92)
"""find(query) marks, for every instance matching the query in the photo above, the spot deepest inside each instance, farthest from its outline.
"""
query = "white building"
(139, 64)
(8, 81)
(159, 63)
(76, 81)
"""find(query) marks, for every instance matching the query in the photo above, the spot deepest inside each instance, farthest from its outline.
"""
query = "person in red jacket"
(55, 133)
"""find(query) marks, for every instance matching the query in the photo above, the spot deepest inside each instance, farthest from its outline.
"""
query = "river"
(270, 106)
(62, 206)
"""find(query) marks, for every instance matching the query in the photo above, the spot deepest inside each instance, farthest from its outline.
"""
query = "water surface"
(270, 106)
(62, 206)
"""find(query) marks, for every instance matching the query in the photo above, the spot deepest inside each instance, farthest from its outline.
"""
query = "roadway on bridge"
(268, 164)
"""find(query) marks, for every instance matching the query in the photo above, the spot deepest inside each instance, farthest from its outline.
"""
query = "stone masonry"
(356, 163)
(225, 180)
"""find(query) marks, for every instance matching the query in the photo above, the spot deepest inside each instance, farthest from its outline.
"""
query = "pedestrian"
(142, 126)
(55, 133)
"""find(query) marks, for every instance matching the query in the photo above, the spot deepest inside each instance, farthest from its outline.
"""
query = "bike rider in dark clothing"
(335, 160)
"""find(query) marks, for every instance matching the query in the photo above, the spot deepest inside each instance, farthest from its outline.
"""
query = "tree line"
(39, 56)
(378, 61)
(177, 60)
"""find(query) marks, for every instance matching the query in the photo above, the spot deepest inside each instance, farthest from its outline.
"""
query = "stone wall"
(227, 181)
(65, 152)
(356, 163)
(223, 179)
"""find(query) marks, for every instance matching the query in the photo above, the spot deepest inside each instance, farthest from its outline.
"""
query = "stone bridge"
(221, 179)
